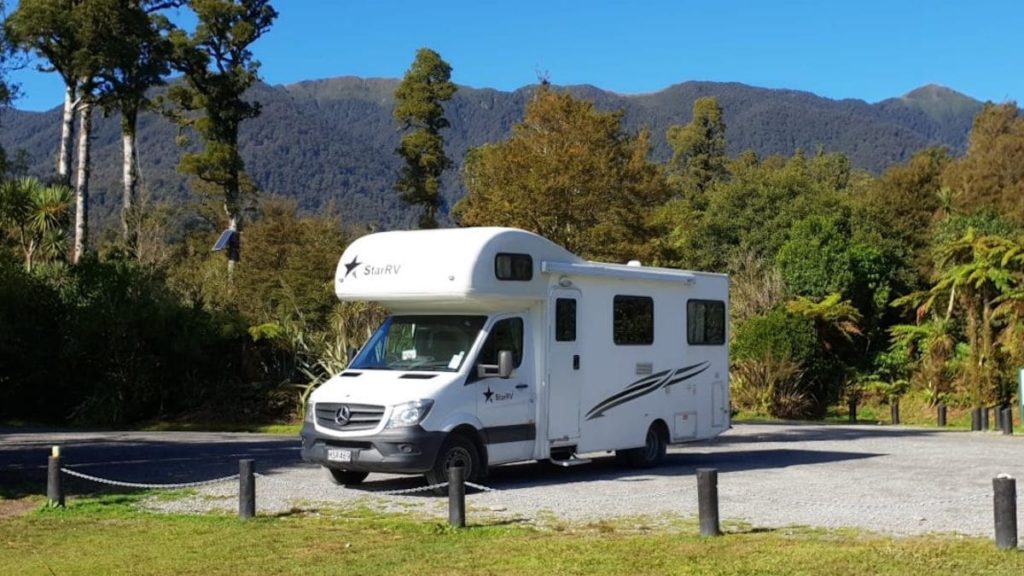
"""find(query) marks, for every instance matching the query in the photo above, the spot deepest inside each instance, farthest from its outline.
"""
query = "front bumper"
(409, 450)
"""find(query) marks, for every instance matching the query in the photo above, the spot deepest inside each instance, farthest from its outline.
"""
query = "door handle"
(521, 386)
(575, 361)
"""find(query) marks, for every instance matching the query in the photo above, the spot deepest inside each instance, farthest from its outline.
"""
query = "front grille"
(363, 416)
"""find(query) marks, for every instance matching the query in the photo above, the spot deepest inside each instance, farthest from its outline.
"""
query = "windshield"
(423, 343)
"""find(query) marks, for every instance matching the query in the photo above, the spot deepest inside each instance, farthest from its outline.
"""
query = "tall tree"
(698, 151)
(219, 68)
(570, 173)
(7, 50)
(418, 98)
(48, 29)
(132, 55)
(991, 175)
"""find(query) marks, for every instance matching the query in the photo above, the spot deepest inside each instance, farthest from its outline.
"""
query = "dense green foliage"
(570, 173)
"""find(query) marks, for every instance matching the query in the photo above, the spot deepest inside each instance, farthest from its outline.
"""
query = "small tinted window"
(513, 267)
(705, 322)
(506, 334)
(565, 320)
(634, 320)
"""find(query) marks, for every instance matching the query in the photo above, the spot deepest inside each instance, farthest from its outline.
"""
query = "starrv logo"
(355, 268)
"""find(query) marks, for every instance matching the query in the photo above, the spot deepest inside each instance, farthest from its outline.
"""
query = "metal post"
(853, 411)
(942, 414)
(895, 409)
(1005, 506)
(246, 489)
(457, 496)
(707, 501)
(54, 489)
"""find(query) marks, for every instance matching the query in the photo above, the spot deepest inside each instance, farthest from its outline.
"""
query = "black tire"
(652, 452)
(456, 450)
(346, 477)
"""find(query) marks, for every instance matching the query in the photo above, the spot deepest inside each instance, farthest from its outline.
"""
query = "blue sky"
(869, 50)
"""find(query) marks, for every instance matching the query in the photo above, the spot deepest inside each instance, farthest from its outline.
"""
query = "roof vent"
(634, 263)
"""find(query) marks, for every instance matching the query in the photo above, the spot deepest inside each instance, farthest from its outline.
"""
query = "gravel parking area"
(896, 480)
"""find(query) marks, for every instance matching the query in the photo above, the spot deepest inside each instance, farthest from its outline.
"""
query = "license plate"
(339, 455)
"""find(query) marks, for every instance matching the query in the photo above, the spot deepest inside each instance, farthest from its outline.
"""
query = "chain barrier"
(406, 490)
(888, 506)
(98, 480)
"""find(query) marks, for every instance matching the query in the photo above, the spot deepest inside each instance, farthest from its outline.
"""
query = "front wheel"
(456, 451)
(652, 452)
(346, 477)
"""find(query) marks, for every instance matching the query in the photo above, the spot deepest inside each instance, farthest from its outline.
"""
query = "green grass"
(108, 535)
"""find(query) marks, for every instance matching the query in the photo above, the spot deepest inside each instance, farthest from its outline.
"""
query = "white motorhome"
(504, 347)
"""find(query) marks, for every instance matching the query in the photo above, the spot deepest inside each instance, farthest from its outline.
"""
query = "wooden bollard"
(895, 410)
(54, 487)
(1004, 504)
(975, 419)
(246, 489)
(707, 501)
(853, 411)
(1006, 420)
(457, 496)
(942, 414)
(984, 418)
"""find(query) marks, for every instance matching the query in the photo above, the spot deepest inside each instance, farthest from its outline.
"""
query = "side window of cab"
(506, 334)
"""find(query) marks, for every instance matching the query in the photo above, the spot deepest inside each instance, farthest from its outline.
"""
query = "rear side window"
(508, 266)
(705, 322)
(565, 320)
(633, 320)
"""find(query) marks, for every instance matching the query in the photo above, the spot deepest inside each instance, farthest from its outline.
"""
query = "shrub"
(766, 386)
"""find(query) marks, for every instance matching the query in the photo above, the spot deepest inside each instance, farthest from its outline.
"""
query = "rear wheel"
(346, 477)
(652, 452)
(456, 451)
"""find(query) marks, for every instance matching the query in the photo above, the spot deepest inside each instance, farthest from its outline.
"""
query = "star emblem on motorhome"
(489, 395)
(351, 266)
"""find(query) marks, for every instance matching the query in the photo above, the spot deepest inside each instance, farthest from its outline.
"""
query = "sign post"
(1020, 395)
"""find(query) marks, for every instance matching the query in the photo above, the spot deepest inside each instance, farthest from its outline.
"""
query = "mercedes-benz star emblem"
(343, 415)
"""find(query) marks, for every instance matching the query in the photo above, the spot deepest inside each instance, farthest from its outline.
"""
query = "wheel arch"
(472, 434)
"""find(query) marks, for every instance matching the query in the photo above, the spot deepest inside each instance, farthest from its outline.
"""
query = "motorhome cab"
(503, 347)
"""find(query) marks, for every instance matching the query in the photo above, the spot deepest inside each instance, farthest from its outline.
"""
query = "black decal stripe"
(638, 390)
(505, 434)
(626, 395)
(681, 377)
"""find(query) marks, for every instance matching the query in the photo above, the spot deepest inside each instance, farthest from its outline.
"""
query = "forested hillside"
(334, 140)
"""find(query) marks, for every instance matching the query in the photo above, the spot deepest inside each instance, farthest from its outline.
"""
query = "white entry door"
(565, 365)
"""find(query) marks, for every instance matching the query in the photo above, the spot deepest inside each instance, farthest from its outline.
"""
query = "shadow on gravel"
(766, 432)
(606, 468)
(149, 458)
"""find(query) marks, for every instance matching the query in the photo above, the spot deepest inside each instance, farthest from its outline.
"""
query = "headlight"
(310, 410)
(409, 414)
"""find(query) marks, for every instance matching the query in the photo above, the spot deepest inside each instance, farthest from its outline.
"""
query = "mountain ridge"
(333, 140)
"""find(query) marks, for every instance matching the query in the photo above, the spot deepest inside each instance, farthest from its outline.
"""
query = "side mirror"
(504, 364)
(502, 370)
